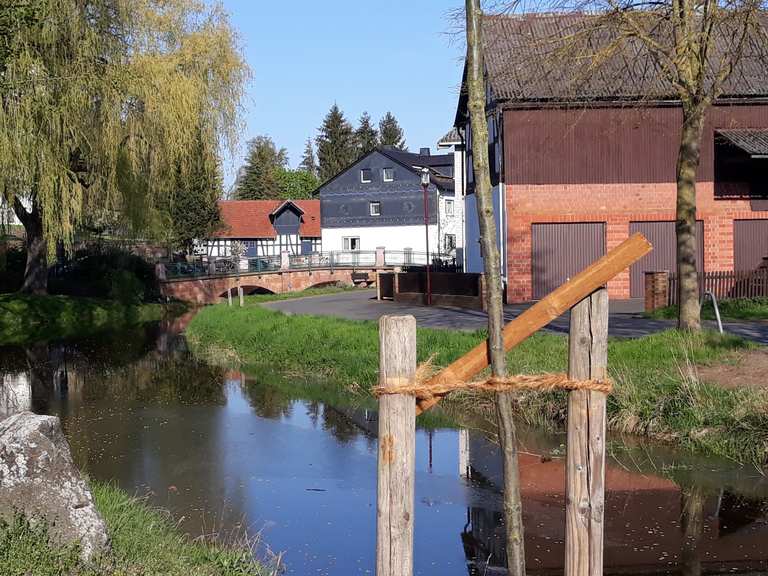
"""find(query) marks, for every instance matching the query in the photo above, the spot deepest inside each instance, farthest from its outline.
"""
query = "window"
(449, 207)
(388, 174)
(374, 208)
(365, 175)
(351, 243)
(449, 242)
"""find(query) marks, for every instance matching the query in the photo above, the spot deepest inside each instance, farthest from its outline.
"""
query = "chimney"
(423, 151)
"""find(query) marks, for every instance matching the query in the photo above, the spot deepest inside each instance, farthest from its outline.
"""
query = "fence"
(727, 285)
(446, 288)
(221, 267)
(337, 259)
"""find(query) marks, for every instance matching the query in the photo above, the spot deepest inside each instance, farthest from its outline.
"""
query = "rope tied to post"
(425, 385)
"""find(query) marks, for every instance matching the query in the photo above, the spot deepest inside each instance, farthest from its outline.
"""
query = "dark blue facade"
(345, 201)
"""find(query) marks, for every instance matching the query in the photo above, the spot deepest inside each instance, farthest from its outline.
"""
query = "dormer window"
(374, 208)
(365, 175)
(388, 174)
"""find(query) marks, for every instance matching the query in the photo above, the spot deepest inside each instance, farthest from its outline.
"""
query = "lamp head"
(425, 177)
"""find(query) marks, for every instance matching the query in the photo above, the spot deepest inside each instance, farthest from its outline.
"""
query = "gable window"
(350, 243)
(388, 174)
(374, 208)
(365, 175)
(449, 207)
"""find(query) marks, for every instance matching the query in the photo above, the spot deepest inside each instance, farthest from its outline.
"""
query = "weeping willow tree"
(102, 100)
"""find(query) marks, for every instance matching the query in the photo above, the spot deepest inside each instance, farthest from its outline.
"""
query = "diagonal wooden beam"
(544, 311)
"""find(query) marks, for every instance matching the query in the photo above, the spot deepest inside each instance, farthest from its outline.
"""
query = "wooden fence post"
(397, 440)
(585, 465)
(229, 296)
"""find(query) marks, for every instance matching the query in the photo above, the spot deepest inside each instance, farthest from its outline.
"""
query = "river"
(228, 452)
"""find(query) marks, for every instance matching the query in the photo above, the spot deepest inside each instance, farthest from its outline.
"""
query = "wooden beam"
(397, 445)
(585, 458)
(544, 311)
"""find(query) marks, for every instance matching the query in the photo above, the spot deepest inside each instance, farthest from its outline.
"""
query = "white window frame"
(347, 241)
(449, 208)
(362, 175)
(374, 204)
(384, 174)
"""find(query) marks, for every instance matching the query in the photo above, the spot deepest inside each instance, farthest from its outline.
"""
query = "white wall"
(473, 259)
(452, 224)
(390, 237)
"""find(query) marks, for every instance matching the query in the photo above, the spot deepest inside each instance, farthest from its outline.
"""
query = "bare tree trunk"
(689, 317)
(513, 517)
(36, 270)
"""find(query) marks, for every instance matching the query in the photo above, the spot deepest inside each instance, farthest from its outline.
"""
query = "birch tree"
(476, 93)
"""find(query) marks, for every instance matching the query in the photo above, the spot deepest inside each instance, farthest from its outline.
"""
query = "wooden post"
(240, 294)
(585, 464)
(397, 440)
(229, 296)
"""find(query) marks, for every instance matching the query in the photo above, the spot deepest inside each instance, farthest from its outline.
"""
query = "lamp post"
(425, 187)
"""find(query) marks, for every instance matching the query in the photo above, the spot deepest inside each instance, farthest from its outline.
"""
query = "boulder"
(39, 479)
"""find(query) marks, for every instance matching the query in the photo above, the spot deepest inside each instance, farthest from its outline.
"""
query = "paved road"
(625, 320)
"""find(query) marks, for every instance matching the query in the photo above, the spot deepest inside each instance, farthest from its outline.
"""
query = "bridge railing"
(409, 258)
(334, 259)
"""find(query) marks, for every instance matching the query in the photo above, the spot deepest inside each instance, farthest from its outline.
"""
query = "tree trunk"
(36, 270)
(689, 317)
(492, 266)
(692, 524)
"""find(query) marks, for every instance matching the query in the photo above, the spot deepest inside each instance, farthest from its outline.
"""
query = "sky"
(364, 55)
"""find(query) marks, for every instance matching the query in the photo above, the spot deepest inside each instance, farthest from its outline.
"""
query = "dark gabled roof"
(526, 61)
(284, 205)
(421, 160)
(452, 138)
(752, 141)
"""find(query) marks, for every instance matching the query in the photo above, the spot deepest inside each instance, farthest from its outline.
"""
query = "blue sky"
(369, 55)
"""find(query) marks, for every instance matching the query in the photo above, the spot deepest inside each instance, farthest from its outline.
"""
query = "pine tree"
(366, 135)
(390, 133)
(335, 144)
(308, 162)
(259, 179)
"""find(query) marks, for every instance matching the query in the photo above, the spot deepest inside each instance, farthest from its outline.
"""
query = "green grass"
(653, 395)
(25, 318)
(144, 540)
(742, 309)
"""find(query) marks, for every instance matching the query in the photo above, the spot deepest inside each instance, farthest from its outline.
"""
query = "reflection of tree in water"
(268, 401)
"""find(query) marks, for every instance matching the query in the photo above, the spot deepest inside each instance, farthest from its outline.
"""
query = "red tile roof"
(250, 218)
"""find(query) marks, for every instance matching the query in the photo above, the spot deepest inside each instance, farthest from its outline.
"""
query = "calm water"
(227, 452)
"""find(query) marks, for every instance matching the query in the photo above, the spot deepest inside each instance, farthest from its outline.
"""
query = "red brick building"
(576, 171)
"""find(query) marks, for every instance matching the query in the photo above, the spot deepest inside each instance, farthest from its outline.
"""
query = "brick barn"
(576, 170)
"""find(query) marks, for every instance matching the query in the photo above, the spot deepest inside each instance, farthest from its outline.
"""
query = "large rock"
(38, 478)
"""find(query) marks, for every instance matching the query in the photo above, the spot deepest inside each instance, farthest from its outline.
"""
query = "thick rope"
(445, 384)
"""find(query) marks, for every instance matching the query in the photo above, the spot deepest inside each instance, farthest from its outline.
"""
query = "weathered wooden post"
(229, 296)
(396, 457)
(240, 293)
(585, 465)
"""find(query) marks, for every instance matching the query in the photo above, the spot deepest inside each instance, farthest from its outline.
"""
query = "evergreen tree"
(366, 135)
(308, 162)
(335, 144)
(259, 179)
(193, 211)
(390, 133)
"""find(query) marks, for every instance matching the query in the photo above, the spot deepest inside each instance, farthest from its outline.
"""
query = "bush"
(107, 273)
(13, 259)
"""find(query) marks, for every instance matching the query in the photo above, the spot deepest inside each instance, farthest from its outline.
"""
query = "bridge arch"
(248, 290)
(328, 284)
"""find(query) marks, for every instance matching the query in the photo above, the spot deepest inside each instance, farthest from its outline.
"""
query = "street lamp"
(425, 187)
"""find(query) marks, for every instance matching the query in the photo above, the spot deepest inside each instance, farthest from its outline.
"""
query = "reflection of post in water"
(40, 376)
(692, 525)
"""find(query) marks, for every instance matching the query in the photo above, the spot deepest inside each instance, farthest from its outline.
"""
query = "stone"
(39, 479)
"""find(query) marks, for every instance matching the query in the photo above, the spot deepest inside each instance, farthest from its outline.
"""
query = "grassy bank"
(657, 392)
(144, 542)
(25, 318)
(743, 309)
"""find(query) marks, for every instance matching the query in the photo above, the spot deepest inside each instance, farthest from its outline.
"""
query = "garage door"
(560, 251)
(664, 254)
(750, 243)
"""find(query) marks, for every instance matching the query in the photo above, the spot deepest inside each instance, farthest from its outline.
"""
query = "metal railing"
(335, 259)
(727, 285)
(221, 267)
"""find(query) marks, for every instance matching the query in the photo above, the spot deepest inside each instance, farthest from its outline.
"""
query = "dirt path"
(750, 370)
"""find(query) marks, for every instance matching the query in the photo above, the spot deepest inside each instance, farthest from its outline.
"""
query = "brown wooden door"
(560, 251)
(664, 254)
(750, 243)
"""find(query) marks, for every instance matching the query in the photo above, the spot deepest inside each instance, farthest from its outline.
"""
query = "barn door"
(560, 251)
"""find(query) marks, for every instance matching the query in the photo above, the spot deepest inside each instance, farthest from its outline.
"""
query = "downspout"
(502, 197)
(463, 199)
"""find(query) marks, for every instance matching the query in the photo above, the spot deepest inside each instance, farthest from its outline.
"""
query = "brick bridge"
(209, 289)
(207, 282)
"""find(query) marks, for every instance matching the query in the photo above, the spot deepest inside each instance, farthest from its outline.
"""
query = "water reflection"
(226, 451)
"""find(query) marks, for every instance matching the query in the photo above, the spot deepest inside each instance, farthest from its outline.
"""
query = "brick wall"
(617, 205)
